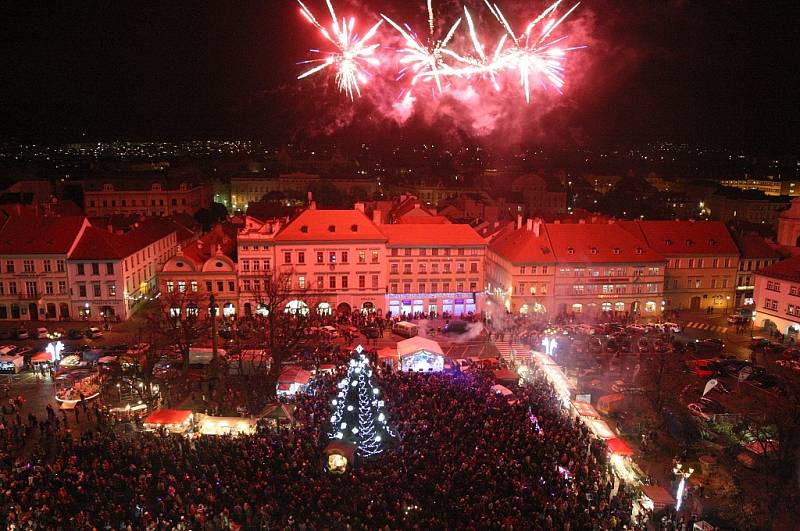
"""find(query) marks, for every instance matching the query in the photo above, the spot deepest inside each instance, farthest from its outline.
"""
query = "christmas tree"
(358, 415)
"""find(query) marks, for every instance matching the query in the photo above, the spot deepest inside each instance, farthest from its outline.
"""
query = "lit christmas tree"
(358, 415)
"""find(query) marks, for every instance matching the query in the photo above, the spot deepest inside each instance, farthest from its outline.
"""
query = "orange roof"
(31, 234)
(522, 246)
(788, 269)
(99, 244)
(422, 220)
(447, 234)
(330, 225)
(755, 246)
(684, 237)
(598, 243)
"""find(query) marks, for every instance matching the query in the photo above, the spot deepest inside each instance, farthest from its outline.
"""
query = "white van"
(405, 329)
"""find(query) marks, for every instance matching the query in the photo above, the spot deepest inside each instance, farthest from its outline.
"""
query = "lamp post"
(684, 474)
(727, 303)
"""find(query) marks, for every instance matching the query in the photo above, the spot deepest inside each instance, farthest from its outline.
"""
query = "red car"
(705, 368)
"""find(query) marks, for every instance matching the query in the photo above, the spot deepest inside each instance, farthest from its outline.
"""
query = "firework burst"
(425, 60)
(352, 54)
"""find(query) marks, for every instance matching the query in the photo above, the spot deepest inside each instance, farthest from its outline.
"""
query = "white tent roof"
(409, 347)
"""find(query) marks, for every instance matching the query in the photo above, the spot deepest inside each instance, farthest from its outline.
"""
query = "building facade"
(702, 262)
(145, 198)
(777, 297)
(754, 254)
(434, 270)
(34, 282)
(256, 260)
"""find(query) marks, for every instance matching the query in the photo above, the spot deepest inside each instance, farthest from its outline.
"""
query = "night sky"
(714, 72)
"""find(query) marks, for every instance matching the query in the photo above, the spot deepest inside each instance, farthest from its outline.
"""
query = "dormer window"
(639, 250)
(667, 242)
(689, 242)
(570, 250)
(617, 250)
(354, 228)
(331, 228)
(712, 242)
(594, 250)
(304, 228)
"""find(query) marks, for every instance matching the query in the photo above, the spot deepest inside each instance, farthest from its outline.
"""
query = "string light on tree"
(358, 417)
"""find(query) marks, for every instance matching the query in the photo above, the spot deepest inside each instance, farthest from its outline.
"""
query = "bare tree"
(280, 327)
(178, 325)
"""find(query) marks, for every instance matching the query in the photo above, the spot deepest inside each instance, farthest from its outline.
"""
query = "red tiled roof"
(31, 234)
(316, 225)
(449, 234)
(788, 269)
(422, 220)
(754, 246)
(598, 243)
(684, 237)
(99, 244)
(522, 246)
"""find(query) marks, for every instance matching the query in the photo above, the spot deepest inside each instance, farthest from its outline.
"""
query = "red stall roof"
(168, 416)
(619, 447)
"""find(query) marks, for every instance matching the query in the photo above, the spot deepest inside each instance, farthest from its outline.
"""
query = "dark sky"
(707, 71)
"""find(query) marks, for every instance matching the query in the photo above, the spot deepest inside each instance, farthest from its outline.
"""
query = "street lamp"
(727, 303)
(684, 474)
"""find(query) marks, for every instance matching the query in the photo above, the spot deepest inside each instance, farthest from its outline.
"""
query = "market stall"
(293, 380)
(555, 376)
(610, 404)
(11, 364)
(174, 420)
(388, 356)
(656, 497)
(601, 429)
(584, 409)
(74, 384)
(501, 390)
(208, 425)
(420, 354)
(617, 446)
(278, 414)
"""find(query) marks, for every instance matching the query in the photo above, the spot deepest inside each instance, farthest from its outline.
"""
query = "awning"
(658, 495)
(502, 390)
(585, 409)
(169, 417)
(619, 447)
(41, 357)
(294, 375)
(601, 429)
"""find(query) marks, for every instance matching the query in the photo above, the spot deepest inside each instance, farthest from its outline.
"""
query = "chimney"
(110, 228)
(376, 217)
(313, 204)
(359, 206)
(309, 197)
(537, 226)
(581, 221)
(519, 221)
(529, 225)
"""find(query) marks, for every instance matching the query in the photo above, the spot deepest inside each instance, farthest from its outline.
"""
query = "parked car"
(774, 348)
(706, 368)
(371, 332)
(21, 333)
(74, 333)
(705, 409)
(636, 328)
(40, 333)
(736, 319)
(660, 346)
(671, 327)
(759, 342)
(595, 346)
(713, 343)
(94, 333)
(455, 327)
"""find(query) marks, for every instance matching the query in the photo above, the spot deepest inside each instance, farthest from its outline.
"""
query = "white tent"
(420, 354)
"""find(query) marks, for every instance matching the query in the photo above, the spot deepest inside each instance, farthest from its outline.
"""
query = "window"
(362, 281)
(407, 252)
(96, 289)
(793, 290)
(460, 287)
(231, 285)
(47, 265)
(460, 267)
(544, 270)
(319, 257)
(220, 285)
(60, 266)
(301, 257)
(82, 290)
(374, 281)
(320, 282)
(301, 281)
(447, 267)
(394, 268)
(375, 256)
(109, 268)
(182, 286)
(434, 268)
(407, 287)
(724, 282)
(2, 288)
(170, 286)
(256, 267)
(461, 252)
(393, 287)
(332, 282)
(393, 252)
(727, 262)
(95, 268)
(773, 286)
(265, 263)
(407, 269)
(62, 287)
(446, 287)
(245, 265)
(362, 257)
(522, 270)
(473, 286)
(713, 283)
(714, 262)
(434, 287)
(473, 267)
(421, 287)
(345, 282)
(48, 287)
(344, 257)
(691, 263)
(332, 257)
(193, 286)
(423, 268)
(27, 265)
(287, 257)
(247, 285)
(697, 283)
(81, 270)
(699, 263)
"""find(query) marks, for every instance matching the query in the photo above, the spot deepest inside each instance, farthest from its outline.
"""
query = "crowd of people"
(465, 458)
